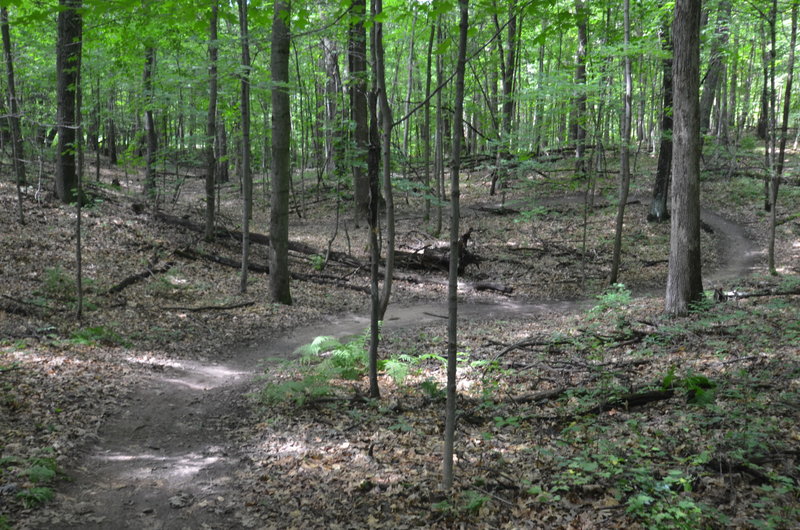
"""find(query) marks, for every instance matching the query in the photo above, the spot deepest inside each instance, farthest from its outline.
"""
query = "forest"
(399, 263)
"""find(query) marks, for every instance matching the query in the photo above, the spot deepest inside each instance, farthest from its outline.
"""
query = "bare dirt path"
(170, 459)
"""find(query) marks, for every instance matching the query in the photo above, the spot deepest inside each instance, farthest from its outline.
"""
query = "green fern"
(32, 497)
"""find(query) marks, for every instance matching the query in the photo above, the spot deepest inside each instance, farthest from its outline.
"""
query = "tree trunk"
(716, 65)
(68, 64)
(439, 144)
(247, 177)
(452, 287)
(386, 152)
(625, 157)
(373, 161)
(581, 20)
(149, 123)
(334, 157)
(281, 163)
(357, 61)
(658, 206)
(509, 68)
(211, 123)
(684, 280)
(426, 127)
(111, 141)
(17, 145)
(787, 104)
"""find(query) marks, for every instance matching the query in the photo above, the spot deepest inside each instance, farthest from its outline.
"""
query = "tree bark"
(625, 156)
(149, 123)
(452, 287)
(716, 65)
(373, 160)
(778, 171)
(68, 63)
(426, 127)
(658, 206)
(281, 166)
(357, 62)
(247, 177)
(17, 144)
(581, 20)
(386, 152)
(211, 121)
(684, 280)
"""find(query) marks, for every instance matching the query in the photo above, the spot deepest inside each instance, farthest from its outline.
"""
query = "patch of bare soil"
(144, 405)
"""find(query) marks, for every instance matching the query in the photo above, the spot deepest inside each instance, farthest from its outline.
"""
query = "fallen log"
(437, 257)
(256, 238)
(135, 278)
(634, 399)
(264, 269)
(493, 286)
(208, 307)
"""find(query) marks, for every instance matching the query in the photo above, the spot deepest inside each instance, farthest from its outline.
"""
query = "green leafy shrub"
(320, 361)
(33, 497)
(93, 335)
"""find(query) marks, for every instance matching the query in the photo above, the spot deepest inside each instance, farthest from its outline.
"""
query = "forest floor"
(177, 402)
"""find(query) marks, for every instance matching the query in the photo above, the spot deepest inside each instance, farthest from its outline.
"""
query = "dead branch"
(208, 307)
(633, 399)
(21, 307)
(256, 238)
(130, 280)
(544, 395)
(264, 269)
(493, 286)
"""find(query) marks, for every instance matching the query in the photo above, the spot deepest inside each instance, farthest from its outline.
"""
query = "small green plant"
(615, 298)
(510, 421)
(318, 262)
(32, 497)
(93, 335)
(58, 284)
(700, 390)
(397, 367)
(432, 389)
(473, 500)
(320, 361)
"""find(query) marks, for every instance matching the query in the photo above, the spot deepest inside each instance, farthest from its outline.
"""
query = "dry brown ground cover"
(571, 418)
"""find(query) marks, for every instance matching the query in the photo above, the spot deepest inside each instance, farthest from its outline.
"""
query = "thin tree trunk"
(716, 65)
(386, 152)
(452, 286)
(68, 64)
(658, 206)
(409, 90)
(247, 177)
(373, 160)
(281, 163)
(80, 197)
(439, 146)
(211, 123)
(111, 141)
(357, 61)
(581, 19)
(149, 123)
(625, 151)
(684, 280)
(97, 130)
(426, 127)
(17, 145)
(787, 104)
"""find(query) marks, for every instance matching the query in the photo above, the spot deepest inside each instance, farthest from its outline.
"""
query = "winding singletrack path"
(169, 460)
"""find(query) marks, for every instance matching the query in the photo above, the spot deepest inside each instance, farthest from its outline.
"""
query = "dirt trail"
(170, 459)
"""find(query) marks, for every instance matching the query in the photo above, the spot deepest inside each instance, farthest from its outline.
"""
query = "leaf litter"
(528, 453)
